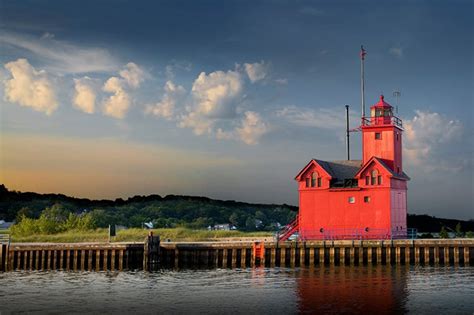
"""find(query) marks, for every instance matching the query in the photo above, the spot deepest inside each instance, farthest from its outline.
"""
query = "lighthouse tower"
(382, 136)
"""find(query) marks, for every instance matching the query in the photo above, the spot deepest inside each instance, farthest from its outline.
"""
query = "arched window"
(314, 179)
(373, 179)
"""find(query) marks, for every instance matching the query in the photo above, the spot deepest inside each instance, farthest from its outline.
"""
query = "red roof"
(382, 103)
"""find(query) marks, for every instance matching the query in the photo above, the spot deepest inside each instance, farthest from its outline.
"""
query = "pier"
(153, 254)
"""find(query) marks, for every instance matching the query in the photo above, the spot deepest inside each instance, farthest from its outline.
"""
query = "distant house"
(222, 227)
(5, 225)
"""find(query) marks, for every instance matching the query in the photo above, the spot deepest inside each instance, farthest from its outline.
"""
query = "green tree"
(443, 233)
(250, 223)
(24, 212)
(470, 234)
(459, 232)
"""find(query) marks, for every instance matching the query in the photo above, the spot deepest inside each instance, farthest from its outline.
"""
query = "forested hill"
(168, 211)
(173, 210)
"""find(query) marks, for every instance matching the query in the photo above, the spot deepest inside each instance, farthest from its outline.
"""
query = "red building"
(357, 199)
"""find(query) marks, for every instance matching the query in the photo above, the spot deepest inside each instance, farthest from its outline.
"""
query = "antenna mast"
(397, 95)
(347, 134)
(362, 83)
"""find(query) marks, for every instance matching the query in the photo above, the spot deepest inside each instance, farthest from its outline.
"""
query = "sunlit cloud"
(85, 96)
(29, 87)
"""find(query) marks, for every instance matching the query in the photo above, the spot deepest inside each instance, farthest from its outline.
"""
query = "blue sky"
(229, 100)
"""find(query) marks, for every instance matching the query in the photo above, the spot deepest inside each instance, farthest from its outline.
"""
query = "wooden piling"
(446, 255)
(283, 257)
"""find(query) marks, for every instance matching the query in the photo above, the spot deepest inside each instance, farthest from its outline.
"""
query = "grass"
(137, 235)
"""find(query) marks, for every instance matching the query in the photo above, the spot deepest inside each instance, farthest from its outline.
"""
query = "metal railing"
(381, 121)
(356, 234)
(287, 230)
(5, 239)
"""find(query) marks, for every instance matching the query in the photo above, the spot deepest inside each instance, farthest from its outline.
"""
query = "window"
(307, 182)
(314, 177)
(352, 200)
(378, 136)
(366, 199)
(367, 180)
(379, 180)
(373, 180)
(319, 181)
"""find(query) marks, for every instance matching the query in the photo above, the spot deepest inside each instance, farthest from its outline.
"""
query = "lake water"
(365, 289)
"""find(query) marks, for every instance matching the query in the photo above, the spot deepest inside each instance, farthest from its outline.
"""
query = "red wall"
(387, 148)
(331, 210)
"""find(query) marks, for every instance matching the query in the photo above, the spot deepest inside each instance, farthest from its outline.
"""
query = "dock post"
(234, 258)
(379, 254)
(311, 256)
(427, 255)
(303, 254)
(369, 255)
(293, 255)
(74, 260)
(466, 255)
(360, 256)
(352, 255)
(456, 254)
(120, 266)
(272, 257)
(89, 261)
(112, 260)
(436, 254)
(25, 259)
(243, 258)
(283, 257)
(342, 255)
(446, 255)
(97, 260)
(30, 254)
(397, 255)
(176, 257)
(332, 254)
(417, 254)
(225, 260)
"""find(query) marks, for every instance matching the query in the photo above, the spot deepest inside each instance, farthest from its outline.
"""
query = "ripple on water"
(377, 289)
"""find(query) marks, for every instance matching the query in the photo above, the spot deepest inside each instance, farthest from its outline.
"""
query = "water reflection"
(327, 290)
(353, 290)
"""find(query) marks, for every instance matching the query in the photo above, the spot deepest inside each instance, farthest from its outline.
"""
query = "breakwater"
(153, 254)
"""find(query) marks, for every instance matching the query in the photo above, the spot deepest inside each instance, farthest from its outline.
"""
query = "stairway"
(288, 230)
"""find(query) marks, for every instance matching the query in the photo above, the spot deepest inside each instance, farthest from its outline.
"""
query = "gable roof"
(342, 169)
(402, 176)
(336, 169)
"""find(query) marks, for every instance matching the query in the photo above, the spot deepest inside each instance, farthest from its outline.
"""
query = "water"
(365, 289)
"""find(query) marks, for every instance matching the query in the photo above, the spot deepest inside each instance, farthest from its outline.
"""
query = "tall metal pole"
(347, 134)
(362, 80)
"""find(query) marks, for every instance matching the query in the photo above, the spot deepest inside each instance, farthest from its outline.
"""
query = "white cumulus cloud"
(428, 137)
(29, 87)
(256, 71)
(133, 74)
(252, 128)
(216, 94)
(215, 97)
(165, 108)
(84, 96)
(117, 104)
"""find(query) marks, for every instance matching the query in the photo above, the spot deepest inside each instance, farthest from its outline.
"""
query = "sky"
(108, 99)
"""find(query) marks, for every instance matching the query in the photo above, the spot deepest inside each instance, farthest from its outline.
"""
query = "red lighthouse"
(362, 199)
